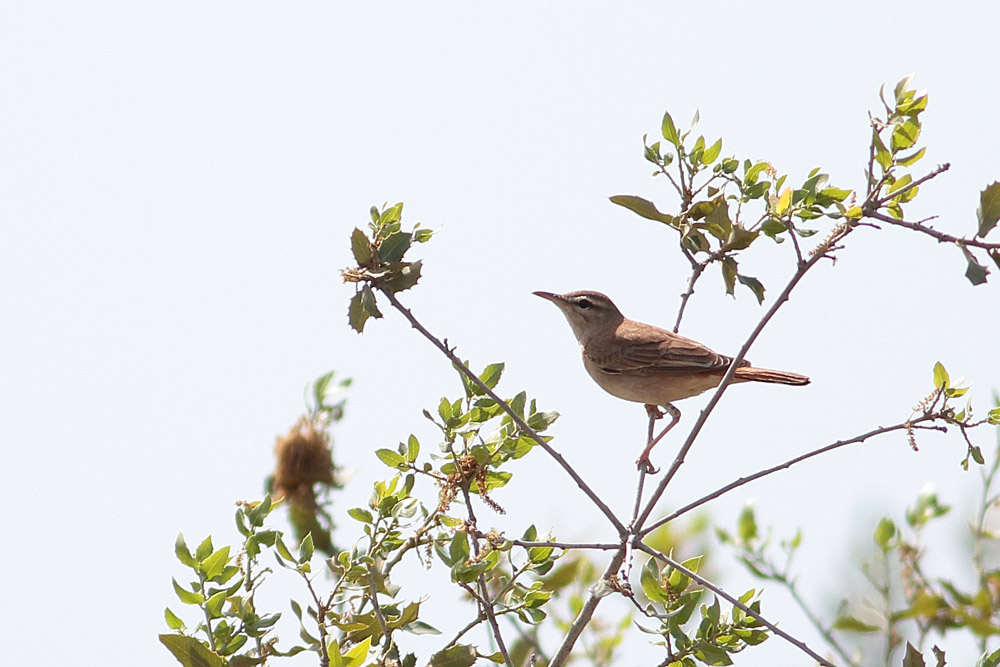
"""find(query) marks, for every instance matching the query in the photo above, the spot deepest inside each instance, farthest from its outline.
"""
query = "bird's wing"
(659, 352)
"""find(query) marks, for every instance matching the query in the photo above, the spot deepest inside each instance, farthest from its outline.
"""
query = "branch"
(880, 202)
(521, 424)
(726, 380)
(561, 655)
(697, 269)
(485, 600)
(930, 231)
(787, 464)
(599, 546)
(733, 601)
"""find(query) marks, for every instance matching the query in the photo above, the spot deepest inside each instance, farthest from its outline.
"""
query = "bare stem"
(940, 169)
(697, 269)
(787, 464)
(930, 231)
(583, 619)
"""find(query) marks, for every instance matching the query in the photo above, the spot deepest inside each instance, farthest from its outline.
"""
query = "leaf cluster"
(379, 256)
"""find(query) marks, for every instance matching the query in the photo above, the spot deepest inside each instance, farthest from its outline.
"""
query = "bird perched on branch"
(642, 363)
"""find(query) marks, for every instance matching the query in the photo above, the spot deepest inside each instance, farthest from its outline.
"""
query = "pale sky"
(179, 182)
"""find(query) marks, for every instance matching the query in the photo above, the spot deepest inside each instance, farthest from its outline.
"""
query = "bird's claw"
(645, 465)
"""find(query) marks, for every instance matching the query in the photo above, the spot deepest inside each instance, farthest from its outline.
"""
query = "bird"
(646, 364)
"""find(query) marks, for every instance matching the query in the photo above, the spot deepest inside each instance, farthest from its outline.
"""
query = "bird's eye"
(583, 303)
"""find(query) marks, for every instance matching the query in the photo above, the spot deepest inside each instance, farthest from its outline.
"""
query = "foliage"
(428, 508)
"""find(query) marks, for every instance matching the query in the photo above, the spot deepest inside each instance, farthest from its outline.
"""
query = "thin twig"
(726, 596)
(881, 201)
(930, 231)
(528, 544)
(583, 618)
(697, 269)
(485, 601)
(822, 629)
(378, 610)
(521, 424)
(787, 464)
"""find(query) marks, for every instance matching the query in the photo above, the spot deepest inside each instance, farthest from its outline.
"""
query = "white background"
(178, 182)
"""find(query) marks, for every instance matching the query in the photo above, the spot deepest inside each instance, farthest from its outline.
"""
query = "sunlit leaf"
(642, 207)
(669, 130)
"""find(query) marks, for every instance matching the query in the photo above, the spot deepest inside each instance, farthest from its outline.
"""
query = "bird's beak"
(549, 296)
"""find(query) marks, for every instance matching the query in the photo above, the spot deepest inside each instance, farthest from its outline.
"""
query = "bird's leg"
(643, 462)
(653, 411)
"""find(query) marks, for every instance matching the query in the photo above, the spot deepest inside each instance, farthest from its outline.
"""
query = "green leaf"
(412, 448)
(392, 214)
(669, 130)
(885, 531)
(212, 566)
(356, 313)
(746, 526)
(491, 375)
(306, 548)
(751, 172)
(912, 658)
(460, 655)
(911, 159)
(361, 247)
(186, 596)
(729, 272)
(190, 652)
(993, 416)
(649, 578)
(754, 286)
(213, 605)
(882, 155)
(902, 88)
(977, 455)
(712, 153)
(360, 514)
(987, 659)
(905, 134)
(852, 624)
(204, 549)
(713, 655)
(183, 555)
(401, 276)
(988, 211)
(391, 458)
(392, 248)
(173, 621)
(358, 653)
(642, 207)
(940, 375)
(740, 238)
(975, 272)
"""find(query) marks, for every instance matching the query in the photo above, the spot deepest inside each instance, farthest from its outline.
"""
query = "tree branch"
(521, 424)
(930, 231)
(583, 618)
(787, 464)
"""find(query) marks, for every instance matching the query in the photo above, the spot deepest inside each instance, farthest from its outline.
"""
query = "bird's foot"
(654, 411)
(643, 464)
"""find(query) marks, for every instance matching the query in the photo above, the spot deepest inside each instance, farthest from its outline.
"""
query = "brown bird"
(642, 363)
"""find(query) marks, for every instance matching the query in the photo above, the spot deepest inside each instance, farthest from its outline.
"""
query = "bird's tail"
(751, 374)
